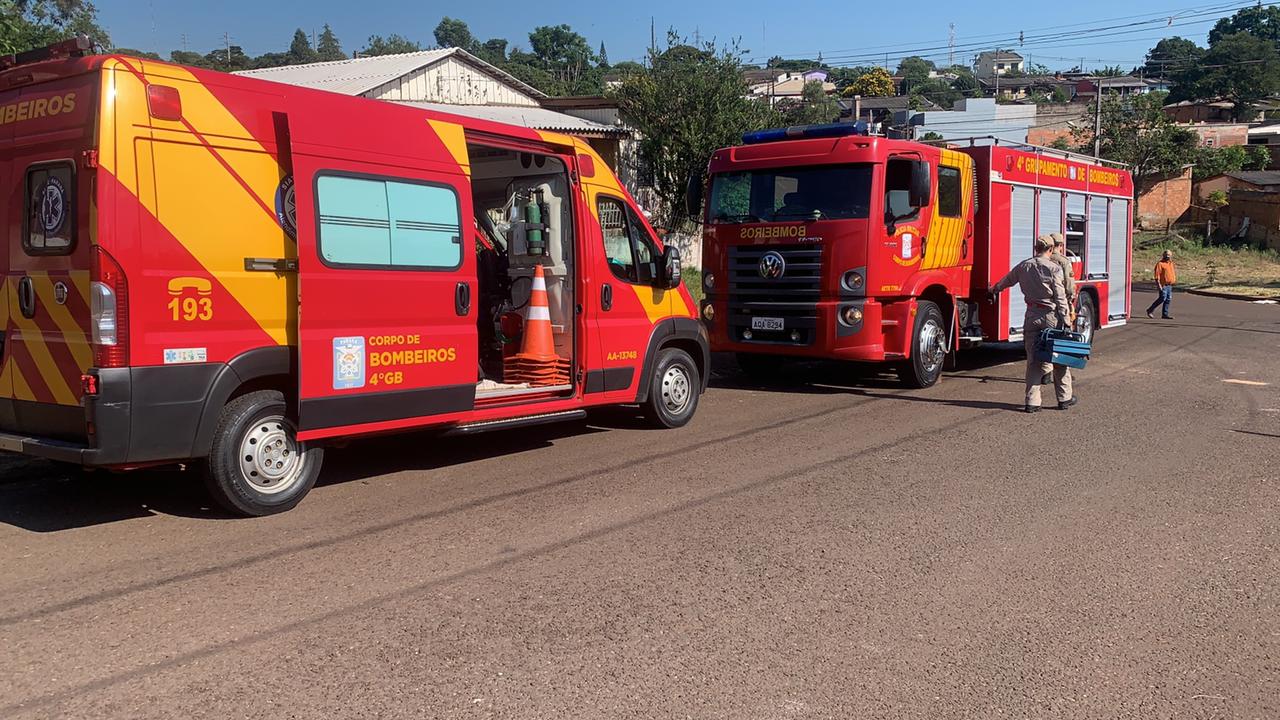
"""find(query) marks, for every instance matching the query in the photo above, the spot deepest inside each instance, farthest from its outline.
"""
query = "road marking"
(1253, 383)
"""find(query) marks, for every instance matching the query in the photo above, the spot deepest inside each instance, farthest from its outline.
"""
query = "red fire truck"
(823, 242)
(220, 268)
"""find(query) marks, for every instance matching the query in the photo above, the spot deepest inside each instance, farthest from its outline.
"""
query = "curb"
(1149, 287)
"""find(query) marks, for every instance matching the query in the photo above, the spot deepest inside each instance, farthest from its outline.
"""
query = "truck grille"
(793, 297)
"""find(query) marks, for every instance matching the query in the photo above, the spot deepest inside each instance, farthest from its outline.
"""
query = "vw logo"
(772, 266)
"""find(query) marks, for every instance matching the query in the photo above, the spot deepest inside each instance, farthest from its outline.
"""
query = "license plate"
(766, 323)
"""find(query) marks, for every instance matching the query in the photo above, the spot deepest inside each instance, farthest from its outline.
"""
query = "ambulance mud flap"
(673, 331)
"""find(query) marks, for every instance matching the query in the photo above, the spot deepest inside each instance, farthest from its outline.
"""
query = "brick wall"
(1162, 199)
(1262, 212)
(1221, 134)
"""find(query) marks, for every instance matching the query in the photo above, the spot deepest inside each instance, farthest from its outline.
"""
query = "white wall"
(454, 82)
(978, 117)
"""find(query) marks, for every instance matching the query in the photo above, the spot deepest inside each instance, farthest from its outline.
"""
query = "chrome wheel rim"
(677, 389)
(933, 346)
(270, 457)
(1084, 325)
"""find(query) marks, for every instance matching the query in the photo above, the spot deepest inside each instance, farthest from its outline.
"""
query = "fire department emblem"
(348, 363)
(772, 265)
(60, 293)
(287, 207)
(53, 206)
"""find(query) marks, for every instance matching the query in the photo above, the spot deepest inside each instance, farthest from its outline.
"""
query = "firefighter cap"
(1044, 242)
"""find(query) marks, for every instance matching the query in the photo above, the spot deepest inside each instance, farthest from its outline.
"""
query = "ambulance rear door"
(386, 280)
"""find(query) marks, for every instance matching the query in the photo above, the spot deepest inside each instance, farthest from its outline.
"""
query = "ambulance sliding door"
(387, 329)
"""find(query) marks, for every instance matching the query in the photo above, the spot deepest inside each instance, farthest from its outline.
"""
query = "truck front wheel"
(928, 348)
(673, 389)
(257, 466)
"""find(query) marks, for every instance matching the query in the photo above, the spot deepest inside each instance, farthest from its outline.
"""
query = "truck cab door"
(387, 334)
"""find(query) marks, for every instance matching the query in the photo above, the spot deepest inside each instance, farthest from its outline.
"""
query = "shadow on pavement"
(42, 496)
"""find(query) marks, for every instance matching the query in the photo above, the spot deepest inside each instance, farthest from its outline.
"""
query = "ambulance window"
(50, 218)
(388, 223)
(948, 191)
(628, 246)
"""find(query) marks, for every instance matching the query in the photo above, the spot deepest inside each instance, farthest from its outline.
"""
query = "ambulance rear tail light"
(164, 102)
(109, 311)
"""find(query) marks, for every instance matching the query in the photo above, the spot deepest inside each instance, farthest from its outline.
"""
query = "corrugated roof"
(357, 76)
(530, 117)
(1257, 177)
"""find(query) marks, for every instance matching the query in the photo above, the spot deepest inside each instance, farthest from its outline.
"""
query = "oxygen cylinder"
(535, 236)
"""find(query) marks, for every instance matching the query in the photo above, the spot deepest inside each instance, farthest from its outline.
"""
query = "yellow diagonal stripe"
(72, 333)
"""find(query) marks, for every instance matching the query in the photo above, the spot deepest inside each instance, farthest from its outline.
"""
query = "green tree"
(27, 24)
(192, 59)
(1038, 70)
(938, 91)
(228, 60)
(1214, 161)
(915, 70)
(567, 57)
(1171, 57)
(931, 136)
(875, 83)
(844, 76)
(1259, 157)
(602, 57)
(813, 108)
(1111, 71)
(144, 54)
(493, 50)
(271, 59)
(328, 47)
(1261, 21)
(692, 101)
(451, 33)
(1137, 131)
(1243, 68)
(390, 45)
(300, 50)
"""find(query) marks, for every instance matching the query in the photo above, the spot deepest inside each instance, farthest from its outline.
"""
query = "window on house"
(388, 223)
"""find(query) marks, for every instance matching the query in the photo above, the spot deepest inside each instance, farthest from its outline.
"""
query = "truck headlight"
(853, 280)
(708, 312)
(708, 280)
(851, 315)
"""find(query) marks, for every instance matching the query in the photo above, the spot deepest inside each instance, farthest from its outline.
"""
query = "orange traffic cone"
(538, 343)
(538, 363)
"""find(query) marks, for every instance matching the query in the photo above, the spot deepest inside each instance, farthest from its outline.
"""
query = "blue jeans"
(1165, 297)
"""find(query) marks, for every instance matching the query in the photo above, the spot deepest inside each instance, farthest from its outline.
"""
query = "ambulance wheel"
(1086, 317)
(928, 348)
(673, 389)
(257, 466)
(761, 368)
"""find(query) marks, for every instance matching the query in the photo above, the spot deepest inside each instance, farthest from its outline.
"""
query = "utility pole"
(653, 38)
(184, 42)
(951, 46)
(1097, 122)
(226, 40)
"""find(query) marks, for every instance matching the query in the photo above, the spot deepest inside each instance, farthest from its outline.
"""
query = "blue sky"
(1057, 34)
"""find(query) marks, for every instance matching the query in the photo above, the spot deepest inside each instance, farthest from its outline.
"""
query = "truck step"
(508, 423)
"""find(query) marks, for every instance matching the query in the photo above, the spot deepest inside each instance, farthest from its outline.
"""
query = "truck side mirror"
(669, 278)
(921, 188)
(693, 196)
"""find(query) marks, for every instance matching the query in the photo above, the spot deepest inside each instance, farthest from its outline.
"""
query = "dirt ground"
(1217, 269)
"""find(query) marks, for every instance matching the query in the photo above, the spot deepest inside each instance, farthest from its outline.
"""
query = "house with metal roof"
(998, 62)
(448, 79)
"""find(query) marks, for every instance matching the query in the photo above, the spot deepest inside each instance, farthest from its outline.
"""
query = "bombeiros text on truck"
(218, 268)
(825, 242)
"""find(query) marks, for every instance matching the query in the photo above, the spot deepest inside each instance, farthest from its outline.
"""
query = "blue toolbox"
(1062, 347)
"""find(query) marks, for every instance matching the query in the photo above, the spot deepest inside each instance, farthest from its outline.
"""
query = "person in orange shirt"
(1166, 276)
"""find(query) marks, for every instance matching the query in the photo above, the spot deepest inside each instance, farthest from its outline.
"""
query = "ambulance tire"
(673, 390)
(257, 466)
(928, 340)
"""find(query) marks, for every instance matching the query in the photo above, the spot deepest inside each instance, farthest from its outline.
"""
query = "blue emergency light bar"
(806, 132)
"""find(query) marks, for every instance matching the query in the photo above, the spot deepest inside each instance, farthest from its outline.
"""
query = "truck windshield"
(825, 192)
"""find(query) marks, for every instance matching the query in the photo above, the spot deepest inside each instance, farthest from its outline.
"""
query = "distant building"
(974, 118)
(1220, 134)
(1191, 111)
(1253, 180)
(999, 62)
(1020, 88)
(1122, 85)
(787, 85)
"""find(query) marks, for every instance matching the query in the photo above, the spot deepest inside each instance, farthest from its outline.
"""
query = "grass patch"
(1220, 268)
(693, 280)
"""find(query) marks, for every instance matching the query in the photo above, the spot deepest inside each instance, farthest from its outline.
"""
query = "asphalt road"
(837, 547)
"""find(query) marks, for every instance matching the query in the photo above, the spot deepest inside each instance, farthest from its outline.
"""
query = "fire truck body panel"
(827, 246)
(251, 236)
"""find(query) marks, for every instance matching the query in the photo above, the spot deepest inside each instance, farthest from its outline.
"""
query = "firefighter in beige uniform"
(1044, 288)
(1068, 273)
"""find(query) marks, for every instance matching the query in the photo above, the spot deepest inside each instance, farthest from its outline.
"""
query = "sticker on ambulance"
(348, 363)
(179, 356)
(287, 207)
(53, 206)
